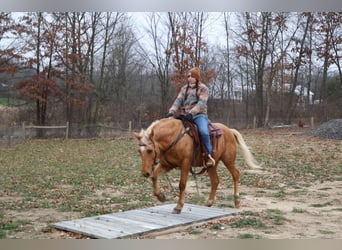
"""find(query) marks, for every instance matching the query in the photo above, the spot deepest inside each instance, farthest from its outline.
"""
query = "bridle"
(156, 160)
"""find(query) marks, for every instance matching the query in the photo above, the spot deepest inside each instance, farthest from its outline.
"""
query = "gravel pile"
(331, 130)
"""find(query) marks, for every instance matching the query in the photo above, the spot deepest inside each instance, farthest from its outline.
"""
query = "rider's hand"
(188, 117)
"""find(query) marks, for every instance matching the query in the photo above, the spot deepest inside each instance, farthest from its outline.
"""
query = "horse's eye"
(149, 151)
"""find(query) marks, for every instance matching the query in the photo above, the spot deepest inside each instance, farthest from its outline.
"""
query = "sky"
(214, 30)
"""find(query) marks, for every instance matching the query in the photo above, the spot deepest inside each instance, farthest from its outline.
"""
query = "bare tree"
(122, 65)
(41, 39)
(103, 29)
(301, 52)
(329, 47)
(73, 59)
(277, 27)
(188, 45)
(257, 26)
(158, 55)
(228, 59)
(10, 53)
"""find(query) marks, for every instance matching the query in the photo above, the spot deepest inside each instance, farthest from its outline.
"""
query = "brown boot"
(210, 161)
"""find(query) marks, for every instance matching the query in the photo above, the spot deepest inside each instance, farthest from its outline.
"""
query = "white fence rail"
(66, 128)
(17, 134)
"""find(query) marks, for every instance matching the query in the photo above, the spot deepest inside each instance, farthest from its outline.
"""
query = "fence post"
(254, 122)
(9, 132)
(24, 131)
(312, 122)
(130, 126)
(67, 131)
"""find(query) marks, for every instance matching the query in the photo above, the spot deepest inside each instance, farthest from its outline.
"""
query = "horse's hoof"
(161, 198)
(210, 203)
(176, 211)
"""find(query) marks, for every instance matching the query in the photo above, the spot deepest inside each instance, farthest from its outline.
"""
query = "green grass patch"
(326, 231)
(217, 227)
(9, 226)
(276, 216)
(249, 222)
(298, 192)
(318, 205)
(298, 210)
(195, 199)
(280, 194)
(196, 232)
(248, 236)
(224, 205)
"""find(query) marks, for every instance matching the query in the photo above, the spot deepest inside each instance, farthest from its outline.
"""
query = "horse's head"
(147, 152)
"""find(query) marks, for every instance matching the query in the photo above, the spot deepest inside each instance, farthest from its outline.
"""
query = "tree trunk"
(293, 98)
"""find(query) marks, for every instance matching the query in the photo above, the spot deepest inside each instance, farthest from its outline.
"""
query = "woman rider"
(192, 101)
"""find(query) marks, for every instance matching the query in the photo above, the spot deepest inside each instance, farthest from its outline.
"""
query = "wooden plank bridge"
(141, 221)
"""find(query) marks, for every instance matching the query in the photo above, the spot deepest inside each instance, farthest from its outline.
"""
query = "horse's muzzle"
(146, 175)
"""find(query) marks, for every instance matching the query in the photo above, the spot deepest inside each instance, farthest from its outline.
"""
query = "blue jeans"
(202, 123)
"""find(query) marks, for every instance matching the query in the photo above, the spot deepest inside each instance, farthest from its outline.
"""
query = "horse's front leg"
(156, 191)
(182, 186)
(214, 180)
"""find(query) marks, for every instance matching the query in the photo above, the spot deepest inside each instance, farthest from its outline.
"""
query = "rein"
(180, 136)
(156, 160)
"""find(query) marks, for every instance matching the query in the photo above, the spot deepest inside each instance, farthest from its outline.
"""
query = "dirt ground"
(302, 219)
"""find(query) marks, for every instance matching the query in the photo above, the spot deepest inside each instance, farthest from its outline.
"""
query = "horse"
(166, 144)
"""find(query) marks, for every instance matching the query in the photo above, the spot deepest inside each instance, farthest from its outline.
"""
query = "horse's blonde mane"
(145, 134)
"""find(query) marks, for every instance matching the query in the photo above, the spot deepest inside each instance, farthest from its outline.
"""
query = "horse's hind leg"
(236, 176)
(214, 180)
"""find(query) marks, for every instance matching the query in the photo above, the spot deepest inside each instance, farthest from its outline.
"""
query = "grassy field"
(80, 178)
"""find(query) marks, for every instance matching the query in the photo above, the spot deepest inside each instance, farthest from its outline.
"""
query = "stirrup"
(210, 161)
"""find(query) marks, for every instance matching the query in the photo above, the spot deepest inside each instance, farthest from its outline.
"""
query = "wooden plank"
(107, 227)
(93, 232)
(141, 221)
(160, 221)
(145, 217)
(127, 224)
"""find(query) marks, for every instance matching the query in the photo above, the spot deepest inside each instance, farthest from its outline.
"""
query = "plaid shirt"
(194, 101)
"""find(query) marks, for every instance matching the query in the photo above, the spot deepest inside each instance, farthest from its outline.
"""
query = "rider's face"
(191, 79)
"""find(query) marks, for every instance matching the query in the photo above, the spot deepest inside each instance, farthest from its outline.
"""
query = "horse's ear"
(137, 136)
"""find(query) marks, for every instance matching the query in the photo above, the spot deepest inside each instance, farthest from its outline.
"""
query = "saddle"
(214, 133)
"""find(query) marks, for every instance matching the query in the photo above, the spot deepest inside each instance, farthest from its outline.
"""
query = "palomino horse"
(165, 145)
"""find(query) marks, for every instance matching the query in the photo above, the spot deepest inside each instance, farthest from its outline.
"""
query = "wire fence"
(18, 134)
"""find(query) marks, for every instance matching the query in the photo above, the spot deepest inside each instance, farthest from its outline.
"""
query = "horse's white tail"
(247, 155)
